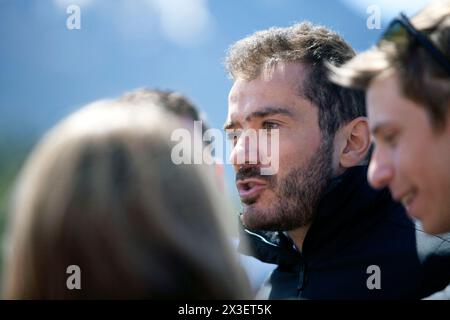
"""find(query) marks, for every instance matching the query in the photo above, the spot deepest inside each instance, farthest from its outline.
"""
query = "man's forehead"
(382, 95)
(283, 74)
(277, 90)
(380, 118)
(387, 107)
(246, 104)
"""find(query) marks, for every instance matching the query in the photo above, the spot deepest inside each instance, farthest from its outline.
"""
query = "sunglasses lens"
(397, 33)
(403, 35)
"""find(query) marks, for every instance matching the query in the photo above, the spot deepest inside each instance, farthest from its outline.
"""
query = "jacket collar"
(346, 210)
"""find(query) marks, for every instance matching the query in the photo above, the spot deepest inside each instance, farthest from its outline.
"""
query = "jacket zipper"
(301, 279)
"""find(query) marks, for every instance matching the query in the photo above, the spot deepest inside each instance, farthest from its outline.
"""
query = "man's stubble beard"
(297, 194)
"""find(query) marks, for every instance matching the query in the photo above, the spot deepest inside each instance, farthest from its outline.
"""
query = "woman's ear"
(356, 142)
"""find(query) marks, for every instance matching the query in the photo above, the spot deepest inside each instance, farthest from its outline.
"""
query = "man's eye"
(270, 125)
(390, 139)
(233, 134)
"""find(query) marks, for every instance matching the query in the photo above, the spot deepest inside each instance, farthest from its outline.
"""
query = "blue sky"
(47, 71)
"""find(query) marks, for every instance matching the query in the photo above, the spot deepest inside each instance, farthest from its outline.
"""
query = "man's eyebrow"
(377, 128)
(229, 125)
(269, 111)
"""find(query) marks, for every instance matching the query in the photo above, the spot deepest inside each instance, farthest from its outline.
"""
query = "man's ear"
(355, 144)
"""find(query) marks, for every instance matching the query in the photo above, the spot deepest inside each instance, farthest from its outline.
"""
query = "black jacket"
(354, 227)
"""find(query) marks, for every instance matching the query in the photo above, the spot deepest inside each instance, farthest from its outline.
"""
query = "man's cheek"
(269, 152)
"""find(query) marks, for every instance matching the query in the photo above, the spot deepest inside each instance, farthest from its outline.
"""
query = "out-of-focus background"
(48, 70)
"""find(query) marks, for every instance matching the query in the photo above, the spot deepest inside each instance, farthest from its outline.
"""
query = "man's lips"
(406, 198)
(250, 188)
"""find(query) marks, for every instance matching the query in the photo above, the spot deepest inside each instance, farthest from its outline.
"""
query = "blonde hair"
(422, 79)
(100, 191)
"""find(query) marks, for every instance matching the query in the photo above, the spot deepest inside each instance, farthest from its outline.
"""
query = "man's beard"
(297, 194)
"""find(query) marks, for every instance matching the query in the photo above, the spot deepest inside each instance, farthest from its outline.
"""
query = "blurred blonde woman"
(101, 193)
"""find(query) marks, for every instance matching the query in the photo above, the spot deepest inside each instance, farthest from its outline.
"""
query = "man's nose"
(245, 151)
(381, 170)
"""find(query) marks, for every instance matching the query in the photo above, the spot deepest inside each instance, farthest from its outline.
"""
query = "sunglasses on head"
(400, 31)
